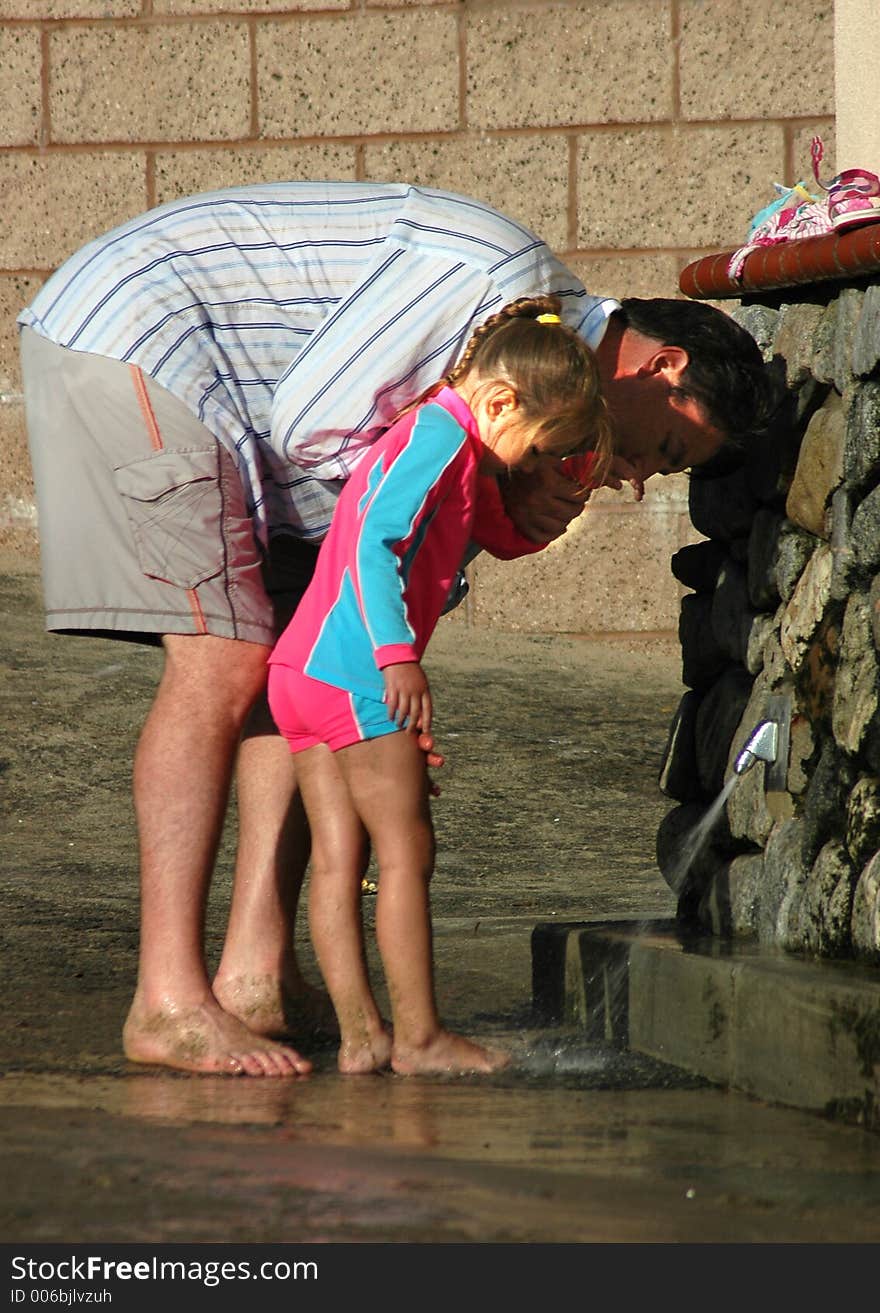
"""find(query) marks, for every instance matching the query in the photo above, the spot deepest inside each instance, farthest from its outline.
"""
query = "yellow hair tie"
(548, 319)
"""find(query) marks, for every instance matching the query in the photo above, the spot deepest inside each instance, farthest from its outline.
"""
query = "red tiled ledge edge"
(806, 260)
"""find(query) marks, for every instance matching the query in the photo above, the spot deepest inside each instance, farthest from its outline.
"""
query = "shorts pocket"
(174, 505)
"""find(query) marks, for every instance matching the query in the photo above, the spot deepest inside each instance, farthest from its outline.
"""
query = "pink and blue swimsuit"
(384, 571)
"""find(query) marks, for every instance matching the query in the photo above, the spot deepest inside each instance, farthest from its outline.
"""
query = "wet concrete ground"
(549, 810)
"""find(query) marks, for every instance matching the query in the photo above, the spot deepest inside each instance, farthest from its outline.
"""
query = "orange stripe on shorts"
(198, 613)
(146, 406)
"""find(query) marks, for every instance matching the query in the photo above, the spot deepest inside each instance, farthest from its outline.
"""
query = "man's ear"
(667, 362)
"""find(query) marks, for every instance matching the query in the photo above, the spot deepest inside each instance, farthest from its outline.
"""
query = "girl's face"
(509, 439)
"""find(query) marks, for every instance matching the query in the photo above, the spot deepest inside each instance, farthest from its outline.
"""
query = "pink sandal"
(853, 196)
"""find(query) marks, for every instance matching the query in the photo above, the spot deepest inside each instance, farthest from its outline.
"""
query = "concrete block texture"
(523, 176)
(61, 201)
(569, 64)
(70, 9)
(151, 82)
(21, 60)
(633, 274)
(746, 59)
(674, 185)
(15, 292)
(186, 172)
(586, 581)
(405, 75)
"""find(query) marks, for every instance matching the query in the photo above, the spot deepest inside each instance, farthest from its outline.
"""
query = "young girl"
(346, 686)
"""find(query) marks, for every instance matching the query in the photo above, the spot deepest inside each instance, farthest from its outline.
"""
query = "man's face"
(657, 429)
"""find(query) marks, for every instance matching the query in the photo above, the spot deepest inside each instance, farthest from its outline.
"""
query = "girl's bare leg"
(388, 783)
(340, 852)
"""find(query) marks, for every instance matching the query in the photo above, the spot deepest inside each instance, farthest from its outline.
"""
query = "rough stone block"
(302, 95)
(780, 901)
(732, 616)
(678, 777)
(866, 915)
(565, 65)
(152, 83)
(863, 820)
(761, 322)
(760, 633)
(819, 468)
(718, 718)
(825, 802)
(794, 341)
(186, 172)
(807, 607)
(524, 177)
(61, 201)
(865, 533)
(722, 507)
(763, 588)
(861, 455)
(857, 688)
(743, 878)
(794, 550)
(783, 68)
(827, 907)
(20, 86)
(697, 565)
(703, 657)
(866, 340)
(695, 178)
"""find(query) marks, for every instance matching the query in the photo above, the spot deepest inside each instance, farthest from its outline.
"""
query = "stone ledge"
(786, 1029)
(833, 257)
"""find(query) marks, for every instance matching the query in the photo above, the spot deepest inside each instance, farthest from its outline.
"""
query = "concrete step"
(773, 1025)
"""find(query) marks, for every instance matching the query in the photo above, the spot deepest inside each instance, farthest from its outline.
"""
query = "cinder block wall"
(633, 135)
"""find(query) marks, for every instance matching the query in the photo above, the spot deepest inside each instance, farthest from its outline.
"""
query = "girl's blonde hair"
(552, 371)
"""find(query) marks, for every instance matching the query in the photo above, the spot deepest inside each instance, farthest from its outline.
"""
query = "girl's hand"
(408, 696)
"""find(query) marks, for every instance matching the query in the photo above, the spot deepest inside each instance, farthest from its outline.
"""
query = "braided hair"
(552, 371)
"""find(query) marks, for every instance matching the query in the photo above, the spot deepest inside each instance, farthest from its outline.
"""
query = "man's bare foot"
(446, 1054)
(276, 1008)
(361, 1053)
(204, 1039)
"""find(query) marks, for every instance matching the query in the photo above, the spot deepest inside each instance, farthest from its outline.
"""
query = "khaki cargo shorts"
(143, 525)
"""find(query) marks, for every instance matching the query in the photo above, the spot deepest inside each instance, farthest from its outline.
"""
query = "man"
(199, 383)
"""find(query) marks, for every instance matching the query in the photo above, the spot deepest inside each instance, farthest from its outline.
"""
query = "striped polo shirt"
(297, 319)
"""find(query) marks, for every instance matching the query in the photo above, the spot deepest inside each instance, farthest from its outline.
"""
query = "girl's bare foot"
(204, 1039)
(446, 1054)
(361, 1053)
(274, 1007)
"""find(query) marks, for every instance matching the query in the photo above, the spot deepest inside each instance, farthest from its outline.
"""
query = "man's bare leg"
(182, 771)
(259, 979)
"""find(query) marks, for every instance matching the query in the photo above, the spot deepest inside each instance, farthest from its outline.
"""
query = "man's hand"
(621, 471)
(408, 696)
(543, 502)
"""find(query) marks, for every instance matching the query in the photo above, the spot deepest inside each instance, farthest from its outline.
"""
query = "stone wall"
(603, 125)
(783, 618)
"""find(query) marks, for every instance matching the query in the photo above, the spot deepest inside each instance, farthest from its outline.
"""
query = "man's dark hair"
(726, 372)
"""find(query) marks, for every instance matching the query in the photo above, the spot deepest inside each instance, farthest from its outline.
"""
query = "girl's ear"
(501, 399)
